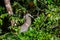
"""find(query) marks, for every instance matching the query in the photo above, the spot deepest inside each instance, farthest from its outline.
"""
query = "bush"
(45, 26)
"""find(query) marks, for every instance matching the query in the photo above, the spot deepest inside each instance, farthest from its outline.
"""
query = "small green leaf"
(35, 2)
(3, 15)
(1, 22)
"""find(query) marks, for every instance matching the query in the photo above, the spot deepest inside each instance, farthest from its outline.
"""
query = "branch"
(8, 7)
(9, 10)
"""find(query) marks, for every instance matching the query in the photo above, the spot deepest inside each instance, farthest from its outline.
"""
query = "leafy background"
(45, 26)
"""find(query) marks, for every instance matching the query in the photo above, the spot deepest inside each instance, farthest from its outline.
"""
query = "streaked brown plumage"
(27, 23)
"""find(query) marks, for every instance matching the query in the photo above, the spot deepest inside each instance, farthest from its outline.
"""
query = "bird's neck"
(28, 20)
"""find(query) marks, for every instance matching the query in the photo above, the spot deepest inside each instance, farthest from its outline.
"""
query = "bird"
(27, 23)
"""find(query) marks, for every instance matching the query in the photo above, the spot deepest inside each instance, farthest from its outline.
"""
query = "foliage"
(43, 25)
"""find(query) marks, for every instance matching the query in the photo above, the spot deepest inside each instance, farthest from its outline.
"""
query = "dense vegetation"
(45, 24)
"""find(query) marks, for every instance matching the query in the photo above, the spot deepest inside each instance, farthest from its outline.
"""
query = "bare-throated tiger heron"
(27, 23)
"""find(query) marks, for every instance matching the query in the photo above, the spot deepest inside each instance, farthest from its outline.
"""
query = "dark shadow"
(5, 26)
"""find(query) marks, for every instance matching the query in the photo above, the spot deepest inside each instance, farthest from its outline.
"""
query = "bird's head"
(29, 15)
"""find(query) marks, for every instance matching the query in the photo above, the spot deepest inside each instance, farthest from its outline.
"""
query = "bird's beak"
(31, 16)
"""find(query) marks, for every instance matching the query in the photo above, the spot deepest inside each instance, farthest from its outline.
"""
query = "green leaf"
(3, 15)
(35, 2)
(1, 22)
